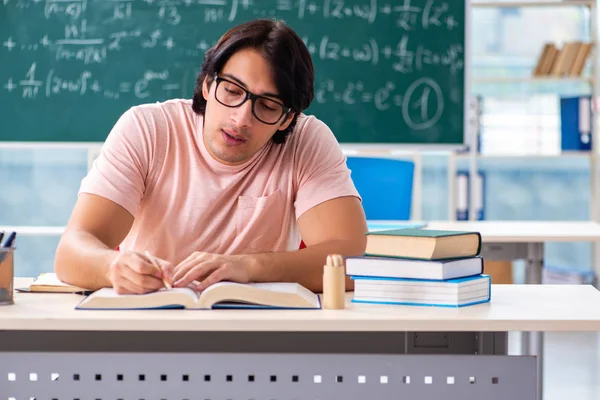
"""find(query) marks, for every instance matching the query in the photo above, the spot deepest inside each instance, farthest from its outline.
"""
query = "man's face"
(233, 135)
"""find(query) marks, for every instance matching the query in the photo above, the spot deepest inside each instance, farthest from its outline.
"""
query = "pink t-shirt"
(155, 165)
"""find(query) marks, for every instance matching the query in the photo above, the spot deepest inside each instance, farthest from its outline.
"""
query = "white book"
(395, 267)
(459, 292)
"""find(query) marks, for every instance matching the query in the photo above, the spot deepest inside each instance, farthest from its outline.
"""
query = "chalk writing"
(93, 49)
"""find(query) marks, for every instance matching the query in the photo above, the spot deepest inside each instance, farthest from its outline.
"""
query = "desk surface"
(519, 231)
(513, 308)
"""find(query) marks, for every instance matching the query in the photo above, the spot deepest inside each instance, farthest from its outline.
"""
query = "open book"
(220, 295)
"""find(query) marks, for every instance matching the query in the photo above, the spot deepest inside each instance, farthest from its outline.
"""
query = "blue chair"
(385, 186)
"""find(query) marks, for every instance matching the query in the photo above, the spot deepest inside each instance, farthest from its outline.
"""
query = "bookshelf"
(534, 78)
(473, 156)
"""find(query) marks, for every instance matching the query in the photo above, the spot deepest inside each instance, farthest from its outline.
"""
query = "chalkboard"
(387, 71)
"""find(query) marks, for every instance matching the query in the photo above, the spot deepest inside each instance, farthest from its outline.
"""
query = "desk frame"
(262, 365)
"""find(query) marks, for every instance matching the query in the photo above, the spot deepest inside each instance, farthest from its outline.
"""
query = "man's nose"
(242, 115)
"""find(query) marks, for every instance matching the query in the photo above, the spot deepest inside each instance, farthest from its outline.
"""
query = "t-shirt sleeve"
(321, 171)
(119, 172)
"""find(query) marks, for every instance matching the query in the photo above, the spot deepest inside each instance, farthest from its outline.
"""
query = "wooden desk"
(364, 350)
(513, 308)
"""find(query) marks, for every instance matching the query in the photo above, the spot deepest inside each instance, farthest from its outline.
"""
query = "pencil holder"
(334, 283)
(7, 271)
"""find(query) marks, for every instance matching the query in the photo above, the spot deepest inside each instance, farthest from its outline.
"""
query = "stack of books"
(420, 267)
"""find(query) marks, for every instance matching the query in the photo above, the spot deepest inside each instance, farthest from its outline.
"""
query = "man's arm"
(87, 247)
(337, 226)
(86, 254)
(104, 213)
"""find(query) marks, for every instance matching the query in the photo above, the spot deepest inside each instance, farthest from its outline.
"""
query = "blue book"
(459, 292)
(276, 295)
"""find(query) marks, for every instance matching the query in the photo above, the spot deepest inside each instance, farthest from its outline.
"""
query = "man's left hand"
(208, 268)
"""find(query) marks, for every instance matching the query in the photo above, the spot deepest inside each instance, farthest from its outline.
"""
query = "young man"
(222, 187)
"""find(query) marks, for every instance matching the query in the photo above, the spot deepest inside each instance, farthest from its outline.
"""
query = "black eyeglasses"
(266, 110)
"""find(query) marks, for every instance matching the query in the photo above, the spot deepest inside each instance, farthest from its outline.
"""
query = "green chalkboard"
(387, 71)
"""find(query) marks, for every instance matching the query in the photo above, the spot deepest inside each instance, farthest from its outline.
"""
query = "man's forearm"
(303, 266)
(83, 260)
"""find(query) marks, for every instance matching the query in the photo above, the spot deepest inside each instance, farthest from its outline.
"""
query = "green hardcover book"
(425, 244)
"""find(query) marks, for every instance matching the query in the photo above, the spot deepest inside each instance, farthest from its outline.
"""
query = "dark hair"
(282, 48)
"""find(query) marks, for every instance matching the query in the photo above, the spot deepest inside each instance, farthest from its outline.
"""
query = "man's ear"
(205, 88)
(287, 121)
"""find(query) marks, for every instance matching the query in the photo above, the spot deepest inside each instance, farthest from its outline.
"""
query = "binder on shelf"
(475, 112)
(576, 123)
(462, 196)
(478, 184)
(463, 201)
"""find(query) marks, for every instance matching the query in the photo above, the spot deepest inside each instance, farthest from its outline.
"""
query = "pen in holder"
(334, 283)
(7, 270)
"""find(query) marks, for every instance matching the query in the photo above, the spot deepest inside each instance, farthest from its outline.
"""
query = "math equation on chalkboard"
(378, 63)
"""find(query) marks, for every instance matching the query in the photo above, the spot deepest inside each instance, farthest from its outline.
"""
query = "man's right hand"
(134, 273)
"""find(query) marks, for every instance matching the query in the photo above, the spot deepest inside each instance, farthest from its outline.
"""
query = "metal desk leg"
(535, 263)
(537, 343)
(532, 343)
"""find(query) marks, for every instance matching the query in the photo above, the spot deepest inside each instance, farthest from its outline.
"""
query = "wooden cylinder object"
(334, 283)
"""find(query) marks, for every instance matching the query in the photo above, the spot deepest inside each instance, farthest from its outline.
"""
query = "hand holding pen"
(135, 273)
(155, 263)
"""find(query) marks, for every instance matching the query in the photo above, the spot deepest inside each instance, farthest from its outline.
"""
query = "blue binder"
(576, 123)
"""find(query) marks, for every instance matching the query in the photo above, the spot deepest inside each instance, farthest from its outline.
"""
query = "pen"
(10, 240)
(153, 261)
(8, 243)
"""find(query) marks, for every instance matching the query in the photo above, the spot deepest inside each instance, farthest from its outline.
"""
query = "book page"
(285, 287)
(111, 293)
(108, 298)
(277, 294)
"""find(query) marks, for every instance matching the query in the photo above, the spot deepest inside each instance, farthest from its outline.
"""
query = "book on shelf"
(545, 60)
(425, 244)
(580, 59)
(393, 267)
(282, 295)
(460, 292)
(568, 54)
